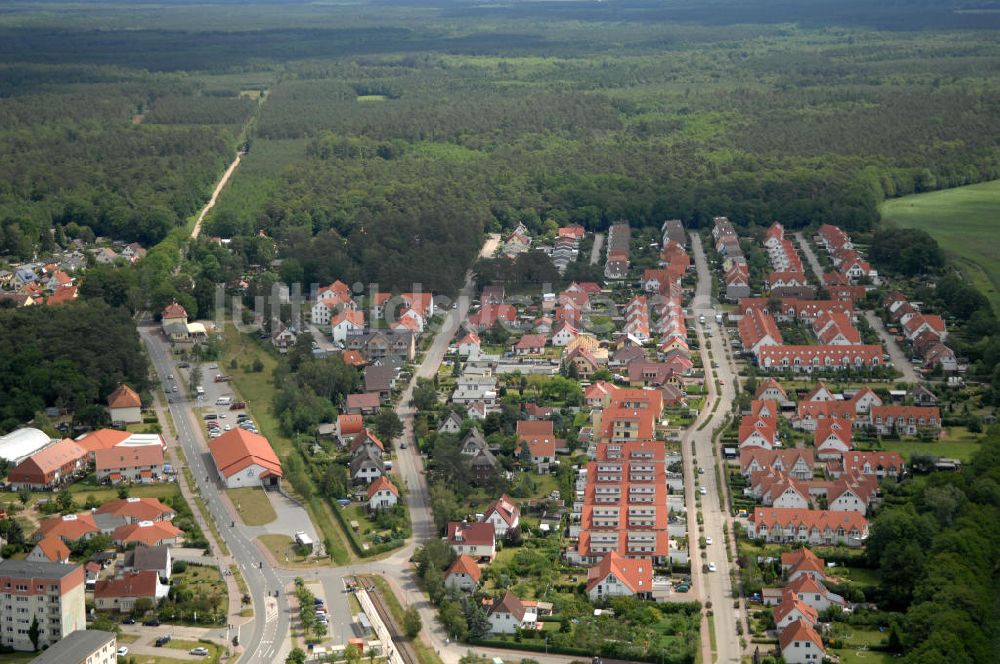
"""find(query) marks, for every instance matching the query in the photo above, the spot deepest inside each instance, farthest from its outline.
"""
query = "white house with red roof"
(504, 514)
(807, 589)
(124, 405)
(792, 609)
(346, 323)
(904, 420)
(382, 494)
(801, 562)
(120, 593)
(564, 334)
(617, 576)
(818, 527)
(833, 438)
(463, 574)
(476, 540)
(801, 644)
(469, 345)
(864, 399)
(245, 459)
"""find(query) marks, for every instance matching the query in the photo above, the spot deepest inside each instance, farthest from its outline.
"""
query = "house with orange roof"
(878, 464)
(799, 562)
(833, 438)
(809, 358)
(346, 323)
(469, 345)
(367, 439)
(800, 644)
(49, 467)
(141, 464)
(382, 494)
(864, 399)
(758, 432)
(147, 533)
(904, 420)
(124, 405)
(791, 609)
(62, 295)
(68, 527)
(102, 439)
(174, 320)
(810, 413)
(120, 593)
(137, 509)
(504, 514)
(817, 527)
(812, 592)
(758, 329)
(772, 390)
(50, 549)
(797, 463)
(244, 459)
(348, 426)
(617, 576)
(463, 574)
(353, 358)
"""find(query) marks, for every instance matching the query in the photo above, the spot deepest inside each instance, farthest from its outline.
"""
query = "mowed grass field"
(966, 223)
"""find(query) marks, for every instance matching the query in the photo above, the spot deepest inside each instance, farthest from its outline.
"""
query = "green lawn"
(253, 506)
(955, 449)
(854, 642)
(963, 220)
(283, 549)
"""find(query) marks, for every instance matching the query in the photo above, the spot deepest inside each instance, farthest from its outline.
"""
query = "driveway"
(291, 518)
(899, 358)
(595, 251)
(810, 257)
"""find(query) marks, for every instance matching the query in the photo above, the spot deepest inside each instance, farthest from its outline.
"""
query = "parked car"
(122, 651)
(703, 491)
(199, 651)
(152, 622)
(711, 567)
(162, 641)
(129, 621)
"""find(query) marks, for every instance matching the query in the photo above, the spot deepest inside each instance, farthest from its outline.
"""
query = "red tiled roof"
(364, 436)
(798, 630)
(235, 450)
(147, 533)
(129, 457)
(475, 534)
(465, 565)
(506, 508)
(363, 400)
(70, 527)
(137, 509)
(174, 310)
(635, 573)
(527, 429)
(381, 483)
(131, 584)
(53, 548)
(124, 397)
(102, 439)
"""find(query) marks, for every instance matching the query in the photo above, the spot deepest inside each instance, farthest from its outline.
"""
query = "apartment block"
(51, 592)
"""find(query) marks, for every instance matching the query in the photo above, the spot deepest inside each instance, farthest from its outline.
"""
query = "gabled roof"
(802, 559)
(635, 573)
(70, 527)
(124, 397)
(379, 484)
(366, 436)
(465, 565)
(53, 549)
(129, 457)
(234, 450)
(147, 533)
(535, 429)
(475, 534)
(509, 604)
(506, 508)
(148, 557)
(102, 439)
(789, 602)
(174, 310)
(798, 630)
(470, 338)
(132, 584)
(363, 400)
(50, 459)
(137, 509)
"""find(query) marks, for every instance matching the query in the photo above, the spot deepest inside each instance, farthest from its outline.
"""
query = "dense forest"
(70, 357)
(937, 550)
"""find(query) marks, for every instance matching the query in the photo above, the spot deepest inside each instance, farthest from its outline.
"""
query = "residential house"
(134, 509)
(833, 438)
(366, 438)
(150, 558)
(800, 644)
(564, 334)
(530, 344)
(819, 358)
(365, 403)
(49, 549)
(49, 467)
(380, 379)
(381, 345)
(816, 527)
(477, 540)
(121, 593)
(124, 405)
(504, 514)
(802, 562)
(84, 646)
(347, 323)
(510, 615)
(795, 462)
(382, 495)
(348, 426)
(469, 345)
(771, 390)
(365, 466)
(147, 533)
(452, 423)
(463, 574)
(617, 576)
(174, 321)
(758, 432)
(904, 420)
(126, 464)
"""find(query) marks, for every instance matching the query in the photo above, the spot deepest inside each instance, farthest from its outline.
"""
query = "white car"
(708, 541)
(227, 427)
(703, 491)
(122, 651)
(711, 567)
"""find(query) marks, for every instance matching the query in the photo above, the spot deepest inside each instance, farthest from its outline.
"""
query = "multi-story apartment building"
(85, 646)
(51, 592)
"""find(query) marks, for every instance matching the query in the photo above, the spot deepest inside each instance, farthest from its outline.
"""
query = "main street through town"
(715, 587)
(263, 638)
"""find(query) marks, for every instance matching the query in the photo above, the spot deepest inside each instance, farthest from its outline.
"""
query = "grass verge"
(203, 510)
(253, 506)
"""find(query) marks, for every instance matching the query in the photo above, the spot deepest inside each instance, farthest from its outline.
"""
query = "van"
(223, 401)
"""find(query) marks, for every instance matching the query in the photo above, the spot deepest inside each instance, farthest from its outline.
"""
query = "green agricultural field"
(965, 222)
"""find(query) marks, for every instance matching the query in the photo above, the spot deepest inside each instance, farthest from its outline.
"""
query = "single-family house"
(477, 540)
(382, 494)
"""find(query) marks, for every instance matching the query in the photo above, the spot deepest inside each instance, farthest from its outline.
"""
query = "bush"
(179, 566)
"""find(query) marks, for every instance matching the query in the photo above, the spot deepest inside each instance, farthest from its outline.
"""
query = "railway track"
(399, 641)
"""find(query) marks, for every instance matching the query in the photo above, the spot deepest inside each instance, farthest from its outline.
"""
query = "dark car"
(128, 621)
(162, 641)
(152, 623)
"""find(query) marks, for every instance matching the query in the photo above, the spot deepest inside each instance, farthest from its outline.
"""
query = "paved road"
(896, 354)
(810, 257)
(263, 639)
(715, 586)
(595, 252)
